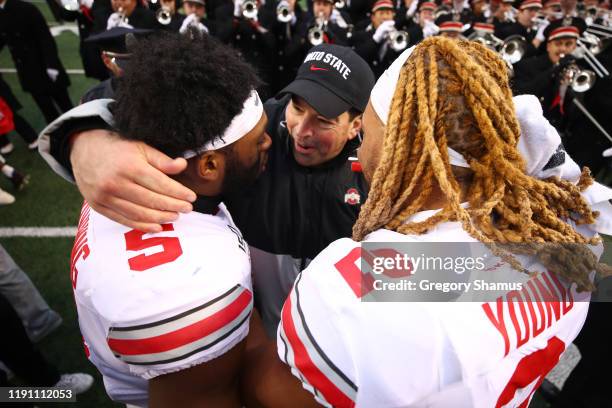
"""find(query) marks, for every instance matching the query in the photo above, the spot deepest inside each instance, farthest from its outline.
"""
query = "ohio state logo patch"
(352, 196)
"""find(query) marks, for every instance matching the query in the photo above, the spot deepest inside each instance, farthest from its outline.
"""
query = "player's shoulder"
(336, 269)
(133, 278)
(314, 337)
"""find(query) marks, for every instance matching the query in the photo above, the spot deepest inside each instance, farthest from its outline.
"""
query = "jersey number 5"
(171, 249)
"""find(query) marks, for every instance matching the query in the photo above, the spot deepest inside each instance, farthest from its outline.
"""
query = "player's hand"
(125, 181)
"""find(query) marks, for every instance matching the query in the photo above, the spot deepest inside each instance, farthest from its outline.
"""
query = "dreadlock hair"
(456, 93)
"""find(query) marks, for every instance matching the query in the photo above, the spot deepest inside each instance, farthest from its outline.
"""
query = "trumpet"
(580, 80)
(249, 9)
(513, 49)
(398, 40)
(340, 4)
(487, 39)
(590, 45)
(316, 34)
(163, 15)
(283, 12)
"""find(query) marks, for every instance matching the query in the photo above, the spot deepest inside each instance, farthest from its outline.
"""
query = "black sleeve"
(60, 138)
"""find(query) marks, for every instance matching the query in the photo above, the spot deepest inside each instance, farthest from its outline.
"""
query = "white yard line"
(48, 232)
(14, 71)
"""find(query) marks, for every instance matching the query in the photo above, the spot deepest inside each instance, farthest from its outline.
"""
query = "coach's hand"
(125, 180)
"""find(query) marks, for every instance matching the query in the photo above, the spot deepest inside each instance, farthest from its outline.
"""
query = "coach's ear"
(355, 126)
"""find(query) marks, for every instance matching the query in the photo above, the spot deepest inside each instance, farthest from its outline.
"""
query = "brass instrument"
(249, 9)
(580, 80)
(340, 4)
(163, 15)
(316, 33)
(589, 46)
(487, 39)
(283, 12)
(513, 49)
(398, 40)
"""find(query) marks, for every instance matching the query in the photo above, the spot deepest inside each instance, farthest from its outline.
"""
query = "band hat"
(564, 32)
(383, 5)
(333, 79)
(451, 26)
(428, 5)
(202, 2)
(240, 126)
(484, 27)
(527, 4)
(569, 27)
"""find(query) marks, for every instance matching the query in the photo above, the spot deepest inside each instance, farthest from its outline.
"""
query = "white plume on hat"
(538, 142)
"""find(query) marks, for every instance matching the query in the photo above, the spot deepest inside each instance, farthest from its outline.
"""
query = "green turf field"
(51, 201)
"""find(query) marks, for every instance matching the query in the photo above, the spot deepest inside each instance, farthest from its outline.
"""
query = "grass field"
(50, 201)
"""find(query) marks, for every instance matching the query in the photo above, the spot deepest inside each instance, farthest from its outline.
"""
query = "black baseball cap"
(333, 79)
(114, 40)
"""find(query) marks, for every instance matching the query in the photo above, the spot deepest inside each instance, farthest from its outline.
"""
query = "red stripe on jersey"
(184, 336)
(307, 367)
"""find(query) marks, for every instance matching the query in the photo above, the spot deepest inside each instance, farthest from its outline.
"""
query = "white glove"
(540, 34)
(383, 30)
(237, 8)
(192, 20)
(337, 19)
(607, 152)
(430, 29)
(52, 73)
(116, 20)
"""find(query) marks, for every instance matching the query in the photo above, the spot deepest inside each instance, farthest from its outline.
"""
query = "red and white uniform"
(351, 353)
(152, 304)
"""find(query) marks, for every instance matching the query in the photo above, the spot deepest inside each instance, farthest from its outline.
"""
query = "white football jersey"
(152, 304)
(351, 353)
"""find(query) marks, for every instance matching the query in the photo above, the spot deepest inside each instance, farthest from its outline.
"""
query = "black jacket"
(24, 30)
(297, 210)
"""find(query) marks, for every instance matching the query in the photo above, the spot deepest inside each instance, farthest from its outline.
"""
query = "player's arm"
(124, 180)
(314, 340)
(266, 381)
(211, 384)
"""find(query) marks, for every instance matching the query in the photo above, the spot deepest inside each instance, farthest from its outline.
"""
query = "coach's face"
(372, 144)
(317, 139)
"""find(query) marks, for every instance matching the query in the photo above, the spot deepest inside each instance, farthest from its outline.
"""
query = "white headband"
(382, 95)
(242, 124)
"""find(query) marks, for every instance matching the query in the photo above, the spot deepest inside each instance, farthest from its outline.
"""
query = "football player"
(445, 169)
(164, 316)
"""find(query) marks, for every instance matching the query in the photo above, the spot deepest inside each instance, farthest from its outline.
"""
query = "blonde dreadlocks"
(456, 93)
